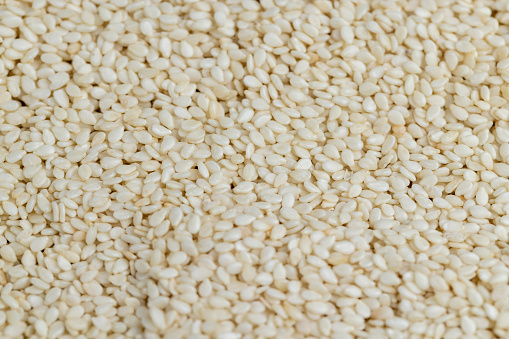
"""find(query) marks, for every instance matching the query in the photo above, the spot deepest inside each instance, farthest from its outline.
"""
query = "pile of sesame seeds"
(254, 169)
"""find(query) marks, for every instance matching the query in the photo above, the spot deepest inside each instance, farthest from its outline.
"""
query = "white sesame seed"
(254, 168)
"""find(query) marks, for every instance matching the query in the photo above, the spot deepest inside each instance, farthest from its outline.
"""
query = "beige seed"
(280, 169)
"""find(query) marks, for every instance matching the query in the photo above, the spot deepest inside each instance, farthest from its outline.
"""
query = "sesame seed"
(254, 168)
